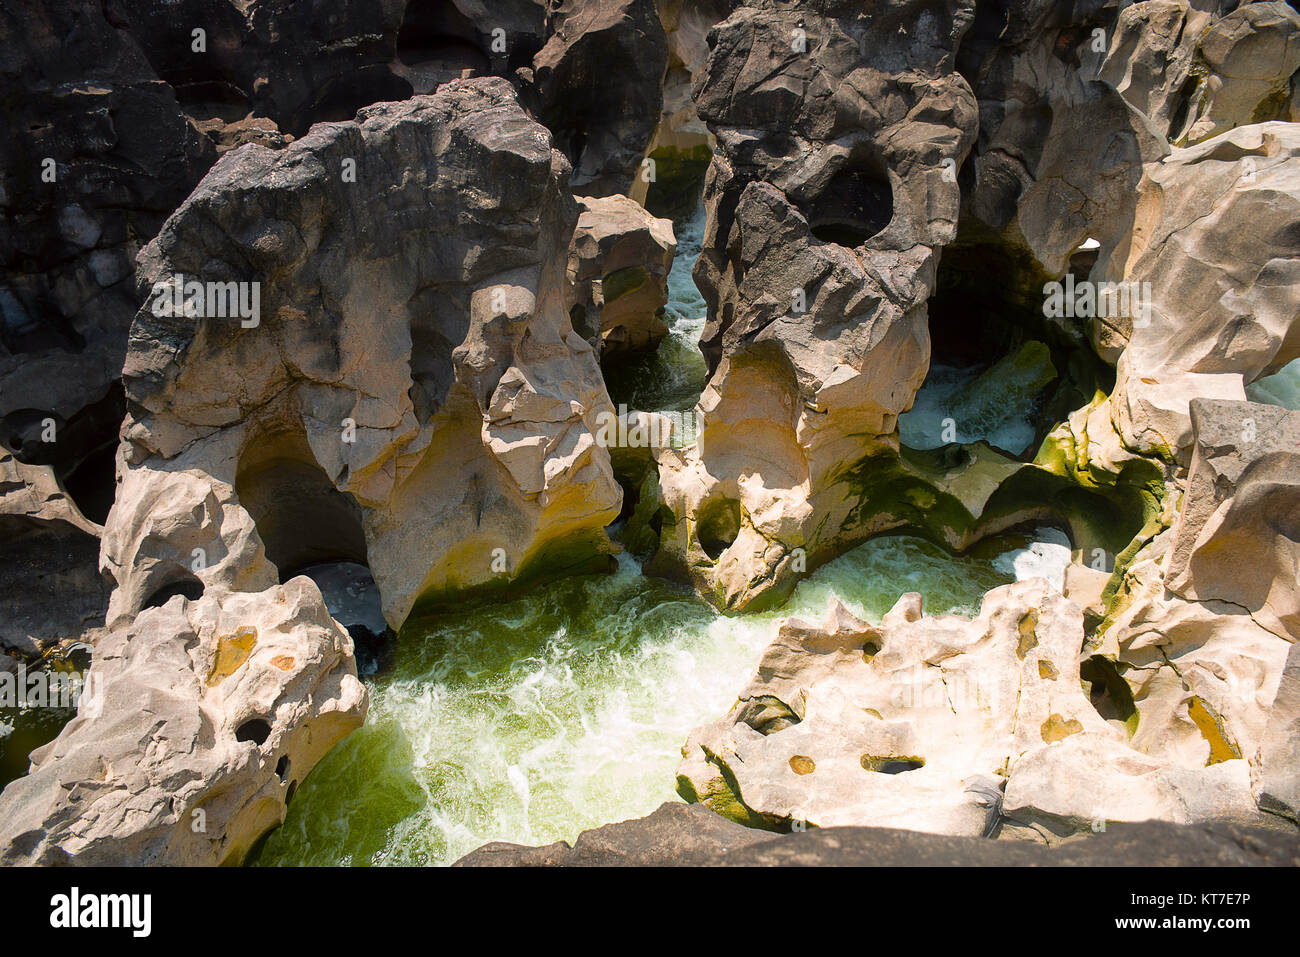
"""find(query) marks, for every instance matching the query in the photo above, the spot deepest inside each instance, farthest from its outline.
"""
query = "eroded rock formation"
(950, 725)
(618, 272)
(828, 202)
(412, 397)
(197, 724)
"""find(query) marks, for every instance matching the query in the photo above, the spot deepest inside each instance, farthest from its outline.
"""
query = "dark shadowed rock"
(672, 834)
(680, 835)
(598, 86)
(96, 153)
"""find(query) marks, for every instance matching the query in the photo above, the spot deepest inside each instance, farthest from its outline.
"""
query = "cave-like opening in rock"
(310, 528)
(340, 98)
(999, 369)
(81, 450)
(186, 585)
(1109, 693)
(213, 99)
(856, 204)
(255, 730)
(718, 525)
(436, 35)
(300, 516)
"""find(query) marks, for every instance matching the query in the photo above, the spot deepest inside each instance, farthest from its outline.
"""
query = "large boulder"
(1205, 615)
(197, 724)
(1213, 253)
(598, 85)
(408, 393)
(1198, 67)
(948, 725)
(618, 273)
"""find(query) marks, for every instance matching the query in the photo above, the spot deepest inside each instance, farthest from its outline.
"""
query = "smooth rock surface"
(618, 268)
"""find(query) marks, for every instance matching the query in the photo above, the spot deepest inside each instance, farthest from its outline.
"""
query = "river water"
(532, 720)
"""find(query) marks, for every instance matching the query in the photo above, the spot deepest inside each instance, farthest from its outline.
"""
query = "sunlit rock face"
(1198, 69)
(619, 260)
(827, 200)
(1215, 249)
(410, 395)
(1207, 614)
(943, 724)
(197, 724)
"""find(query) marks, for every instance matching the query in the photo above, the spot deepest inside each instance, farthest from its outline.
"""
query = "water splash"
(532, 720)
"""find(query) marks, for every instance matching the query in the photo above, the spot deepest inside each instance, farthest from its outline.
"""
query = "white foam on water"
(532, 720)
(1048, 558)
(923, 427)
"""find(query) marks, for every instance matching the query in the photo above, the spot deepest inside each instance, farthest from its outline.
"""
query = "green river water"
(532, 720)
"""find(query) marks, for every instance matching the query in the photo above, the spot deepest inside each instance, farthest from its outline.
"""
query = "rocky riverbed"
(432, 425)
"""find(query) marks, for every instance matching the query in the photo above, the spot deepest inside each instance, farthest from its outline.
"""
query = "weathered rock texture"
(198, 723)
(827, 204)
(52, 591)
(413, 398)
(598, 85)
(1205, 617)
(1279, 755)
(1198, 68)
(96, 153)
(1215, 240)
(618, 274)
(689, 835)
(949, 725)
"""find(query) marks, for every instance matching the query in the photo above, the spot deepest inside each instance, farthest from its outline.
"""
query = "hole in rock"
(293, 789)
(891, 765)
(1109, 692)
(437, 35)
(255, 730)
(1000, 371)
(213, 100)
(768, 715)
(855, 205)
(282, 767)
(717, 526)
(301, 517)
(341, 97)
(82, 450)
(189, 587)
(92, 484)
